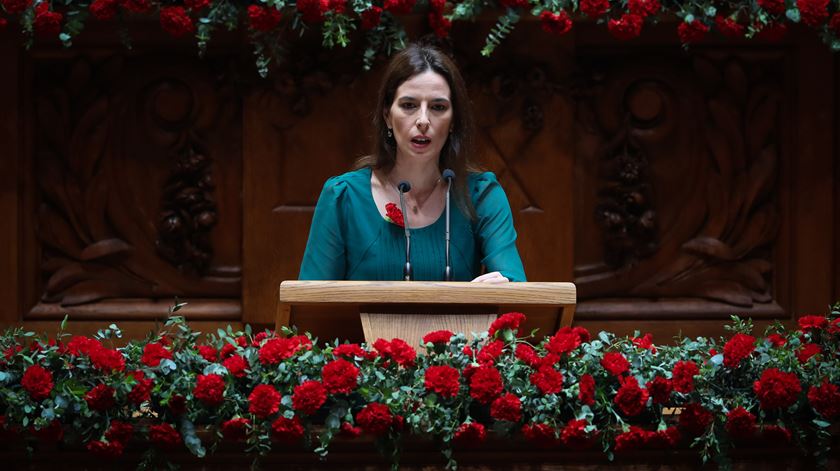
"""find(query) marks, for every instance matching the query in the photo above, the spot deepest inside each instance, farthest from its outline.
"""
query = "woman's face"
(421, 116)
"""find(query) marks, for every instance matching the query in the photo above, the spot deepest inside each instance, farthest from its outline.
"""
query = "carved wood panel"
(138, 167)
(680, 158)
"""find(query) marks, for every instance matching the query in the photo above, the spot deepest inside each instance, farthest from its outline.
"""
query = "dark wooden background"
(676, 188)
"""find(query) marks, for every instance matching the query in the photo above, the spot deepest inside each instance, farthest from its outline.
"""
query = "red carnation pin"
(394, 215)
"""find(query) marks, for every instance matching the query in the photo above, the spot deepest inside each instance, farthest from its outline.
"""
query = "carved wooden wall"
(675, 188)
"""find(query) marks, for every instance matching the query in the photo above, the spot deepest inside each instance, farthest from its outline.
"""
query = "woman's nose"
(423, 120)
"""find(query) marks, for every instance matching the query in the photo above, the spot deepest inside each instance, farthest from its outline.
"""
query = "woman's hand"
(492, 277)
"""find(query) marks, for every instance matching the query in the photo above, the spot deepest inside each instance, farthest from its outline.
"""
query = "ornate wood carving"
(688, 201)
(107, 136)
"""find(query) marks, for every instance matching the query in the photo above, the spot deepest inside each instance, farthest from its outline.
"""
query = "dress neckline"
(372, 203)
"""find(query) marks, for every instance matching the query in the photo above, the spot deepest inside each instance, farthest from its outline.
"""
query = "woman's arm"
(496, 233)
(324, 258)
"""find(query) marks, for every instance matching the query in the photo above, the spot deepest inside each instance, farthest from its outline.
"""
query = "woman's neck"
(421, 175)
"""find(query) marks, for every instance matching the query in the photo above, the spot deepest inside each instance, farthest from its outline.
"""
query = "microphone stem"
(448, 270)
(407, 267)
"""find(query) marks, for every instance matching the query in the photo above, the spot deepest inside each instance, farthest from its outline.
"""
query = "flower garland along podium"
(409, 310)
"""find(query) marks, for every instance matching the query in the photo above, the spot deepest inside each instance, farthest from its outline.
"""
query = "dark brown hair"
(460, 145)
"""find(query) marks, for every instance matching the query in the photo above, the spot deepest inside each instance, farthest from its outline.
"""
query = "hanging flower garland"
(379, 25)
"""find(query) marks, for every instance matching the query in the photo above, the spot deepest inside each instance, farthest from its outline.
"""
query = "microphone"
(404, 187)
(448, 175)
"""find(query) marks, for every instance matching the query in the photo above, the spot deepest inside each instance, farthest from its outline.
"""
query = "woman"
(423, 125)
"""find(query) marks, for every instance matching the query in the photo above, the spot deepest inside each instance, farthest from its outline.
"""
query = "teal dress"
(350, 240)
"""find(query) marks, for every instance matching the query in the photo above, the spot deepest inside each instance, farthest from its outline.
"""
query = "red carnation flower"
(547, 380)
(834, 27)
(695, 419)
(236, 429)
(777, 389)
(196, 5)
(485, 384)
(490, 352)
(236, 366)
(772, 32)
(349, 351)
(309, 396)
(339, 376)
(399, 7)
(807, 351)
(630, 398)
(470, 434)
(370, 19)
(348, 430)
(208, 353)
(438, 337)
(615, 363)
(682, 376)
(105, 449)
(575, 436)
(660, 390)
(287, 430)
(312, 11)
(557, 24)
(587, 390)
(644, 8)
(13, 7)
(664, 439)
(276, 350)
(807, 323)
(740, 423)
(506, 407)
(394, 215)
(594, 8)
(153, 353)
(439, 24)
(627, 27)
(263, 401)
(107, 360)
(103, 10)
(227, 350)
(46, 23)
(693, 32)
(210, 389)
(825, 399)
(776, 7)
(739, 347)
(137, 6)
(164, 436)
(541, 434)
(140, 392)
(510, 320)
(38, 382)
(176, 21)
(565, 340)
(645, 342)
(100, 398)
(375, 418)
(263, 18)
(729, 27)
(443, 380)
(119, 432)
(776, 340)
(402, 353)
(527, 354)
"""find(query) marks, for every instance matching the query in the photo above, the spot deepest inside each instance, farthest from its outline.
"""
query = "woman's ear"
(386, 115)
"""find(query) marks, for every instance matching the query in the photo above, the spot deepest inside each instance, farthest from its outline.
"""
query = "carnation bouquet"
(571, 390)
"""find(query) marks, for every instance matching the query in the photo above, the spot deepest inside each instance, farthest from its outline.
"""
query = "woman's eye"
(439, 107)
(407, 106)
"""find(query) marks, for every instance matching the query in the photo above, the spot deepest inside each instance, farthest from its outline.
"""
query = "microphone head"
(404, 186)
(448, 174)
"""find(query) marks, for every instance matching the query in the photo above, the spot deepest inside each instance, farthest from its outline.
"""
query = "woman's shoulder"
(481, 182)
(352, 179)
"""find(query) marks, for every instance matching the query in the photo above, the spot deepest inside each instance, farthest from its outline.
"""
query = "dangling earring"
(390, 134)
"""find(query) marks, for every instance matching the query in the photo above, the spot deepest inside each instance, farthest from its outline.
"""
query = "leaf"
(709, 247)
(191, 440)
(105, 248)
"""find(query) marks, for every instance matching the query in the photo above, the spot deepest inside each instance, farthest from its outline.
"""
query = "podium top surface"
(299, 292)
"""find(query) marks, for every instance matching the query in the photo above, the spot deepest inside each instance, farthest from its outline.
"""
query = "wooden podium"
(387, 309)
